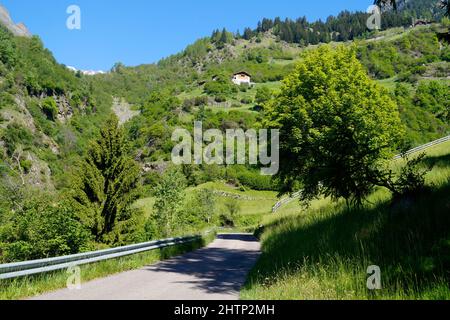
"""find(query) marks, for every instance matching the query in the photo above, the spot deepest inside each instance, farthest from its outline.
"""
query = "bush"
(42, 229)
(411, 181)
(16, 134)
(220, 99)
(249, 178)
(26, 165)
(230, 216)
(247, 100)
(263, 95)
(6, 100)
(50, 108)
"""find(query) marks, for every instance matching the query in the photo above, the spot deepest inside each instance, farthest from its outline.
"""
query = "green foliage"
(228, 218)
(206, 204)
(220, 39)
(169, 195)
(258, 55)
(50, 108)
(16, 135)
(250, 178)
(199, 210)
(150, 131)
(105, 185)
(6, 100)
(221, 85)
(26, 165)
(41, 228)
(404, 57)
(434, 97)
(8, 54)
(188, 104)
(263, 95)
(416, 110)
(338, 127)
(197, 51)
(411, 181)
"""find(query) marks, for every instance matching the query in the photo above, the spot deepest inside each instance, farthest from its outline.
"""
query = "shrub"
(411, 181)
(247, 100)
(229, 217)
(50, 108)
(16, 134)
(220, 98)
(41, 229)
(263, 95)
(26, 165)
(6, 100)
(252, 179)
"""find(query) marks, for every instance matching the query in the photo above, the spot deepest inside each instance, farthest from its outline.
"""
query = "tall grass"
(324, 252)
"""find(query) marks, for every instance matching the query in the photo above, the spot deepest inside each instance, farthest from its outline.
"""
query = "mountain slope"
(46, 112)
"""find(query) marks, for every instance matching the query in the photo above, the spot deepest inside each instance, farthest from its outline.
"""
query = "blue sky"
(144, 31)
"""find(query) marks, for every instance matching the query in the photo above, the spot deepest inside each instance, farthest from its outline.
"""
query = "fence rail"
(296, 195)
(424, 147)
(20, 269)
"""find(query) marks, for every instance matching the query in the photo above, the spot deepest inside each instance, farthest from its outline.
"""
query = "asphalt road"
(216, 272)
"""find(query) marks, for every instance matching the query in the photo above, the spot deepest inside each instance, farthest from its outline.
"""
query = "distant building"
(242, 78)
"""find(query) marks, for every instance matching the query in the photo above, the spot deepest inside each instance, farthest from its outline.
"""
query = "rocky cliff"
(17, 29)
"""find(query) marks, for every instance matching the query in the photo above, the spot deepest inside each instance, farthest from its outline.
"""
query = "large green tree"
(106, 183)
(338, 127)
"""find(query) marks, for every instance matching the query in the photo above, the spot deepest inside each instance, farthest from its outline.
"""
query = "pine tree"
(106, 183)
(224, 37)
(248, 33)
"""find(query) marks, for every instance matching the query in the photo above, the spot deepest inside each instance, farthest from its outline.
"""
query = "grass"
(251, 201)
(324, 252)
(254, 205)
(25, 287)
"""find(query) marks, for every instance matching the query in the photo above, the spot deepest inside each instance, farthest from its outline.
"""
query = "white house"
(241, 78)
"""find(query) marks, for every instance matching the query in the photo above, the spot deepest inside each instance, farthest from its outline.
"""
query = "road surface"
(216, 272)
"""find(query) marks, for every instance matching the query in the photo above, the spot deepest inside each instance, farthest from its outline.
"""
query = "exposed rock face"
(65, 109)
(123, 110)
(17, 29)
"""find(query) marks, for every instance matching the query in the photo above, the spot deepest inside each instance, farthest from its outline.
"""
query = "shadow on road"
(238, 237)
(220, 268)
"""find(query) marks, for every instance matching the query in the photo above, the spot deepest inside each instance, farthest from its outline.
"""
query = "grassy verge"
(324, 252)
(34, 285)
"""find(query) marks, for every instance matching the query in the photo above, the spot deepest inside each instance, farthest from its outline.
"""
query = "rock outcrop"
(17, 29)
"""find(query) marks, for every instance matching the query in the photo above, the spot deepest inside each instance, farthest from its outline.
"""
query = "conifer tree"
(106, 183)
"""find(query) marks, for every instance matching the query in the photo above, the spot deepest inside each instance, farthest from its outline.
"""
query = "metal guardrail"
(296, 195)
(424, 147)
(20, 269)
(284, 201)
